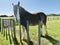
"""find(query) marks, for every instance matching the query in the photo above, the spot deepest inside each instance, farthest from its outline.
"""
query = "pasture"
(53, 27)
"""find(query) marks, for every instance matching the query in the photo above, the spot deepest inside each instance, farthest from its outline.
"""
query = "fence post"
(11, 22)
(0, 24)
(1, 27)
(14, 29)
(6, 34)
(39, 33)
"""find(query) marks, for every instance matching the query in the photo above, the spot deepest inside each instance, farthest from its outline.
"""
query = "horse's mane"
(24, 10)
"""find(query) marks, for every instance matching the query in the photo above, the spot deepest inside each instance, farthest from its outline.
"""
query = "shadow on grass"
(0, 29)
(4, 32)
(30, 42)
(52, 40)
(6, 35)
(10, 39)
(15, 40)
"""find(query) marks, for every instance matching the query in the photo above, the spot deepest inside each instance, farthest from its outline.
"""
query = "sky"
(46, 6)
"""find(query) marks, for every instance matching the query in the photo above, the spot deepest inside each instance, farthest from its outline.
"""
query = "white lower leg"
(41, 30)
(23, 34)
(46, 30)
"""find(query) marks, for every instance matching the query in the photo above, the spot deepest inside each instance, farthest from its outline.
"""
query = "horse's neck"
(23, 11)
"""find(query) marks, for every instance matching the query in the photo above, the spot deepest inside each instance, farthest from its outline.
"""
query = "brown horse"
(32, 18)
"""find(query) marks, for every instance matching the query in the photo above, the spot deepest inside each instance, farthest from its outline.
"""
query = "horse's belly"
(33, 23)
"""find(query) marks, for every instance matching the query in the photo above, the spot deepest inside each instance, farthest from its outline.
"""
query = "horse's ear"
(12, 4)
(18, 3)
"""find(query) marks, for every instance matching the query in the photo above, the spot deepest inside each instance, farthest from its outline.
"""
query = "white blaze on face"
(17, 16)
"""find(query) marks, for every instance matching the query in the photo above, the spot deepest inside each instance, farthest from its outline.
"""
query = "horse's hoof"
(24, 39)
(46, 34)
(31, 43)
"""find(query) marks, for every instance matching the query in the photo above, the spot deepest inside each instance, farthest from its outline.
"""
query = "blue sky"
(46, 6)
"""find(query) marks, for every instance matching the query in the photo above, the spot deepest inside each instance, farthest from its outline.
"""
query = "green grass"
(3, 41)
(53, 27)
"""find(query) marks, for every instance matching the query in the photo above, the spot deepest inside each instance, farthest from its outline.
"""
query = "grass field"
(53, 27)
(3, 41)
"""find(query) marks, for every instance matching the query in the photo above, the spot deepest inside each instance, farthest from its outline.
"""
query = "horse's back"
(43, 17)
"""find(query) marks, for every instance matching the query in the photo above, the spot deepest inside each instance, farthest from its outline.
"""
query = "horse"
(32, 18)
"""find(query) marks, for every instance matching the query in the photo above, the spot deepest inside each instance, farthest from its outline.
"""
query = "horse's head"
(18, 10)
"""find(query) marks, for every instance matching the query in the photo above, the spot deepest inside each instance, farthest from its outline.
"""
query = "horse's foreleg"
(27, 30)
(28, 37)
(41, 23)
(46, 29)
(23, 34)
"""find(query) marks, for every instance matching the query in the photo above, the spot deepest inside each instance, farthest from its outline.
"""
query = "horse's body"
(31, 18)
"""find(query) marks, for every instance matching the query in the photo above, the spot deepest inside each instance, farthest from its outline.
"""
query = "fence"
(49, 18)
(7, 27)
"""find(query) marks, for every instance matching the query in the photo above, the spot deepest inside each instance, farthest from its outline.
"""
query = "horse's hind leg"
(46, 30)
(44, 22)
(41, 23)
